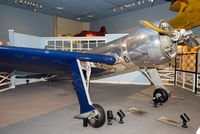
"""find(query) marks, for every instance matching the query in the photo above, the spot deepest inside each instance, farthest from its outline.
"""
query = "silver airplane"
(143, 49)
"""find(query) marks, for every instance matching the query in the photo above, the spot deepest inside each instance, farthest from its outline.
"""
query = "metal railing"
(189, 80)
(74, 45)
(167, 76)
(186, 80)
(6, 81)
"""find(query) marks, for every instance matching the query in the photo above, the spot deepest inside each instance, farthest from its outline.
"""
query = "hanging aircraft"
(144, 48)
(188, 16)
(101, 32)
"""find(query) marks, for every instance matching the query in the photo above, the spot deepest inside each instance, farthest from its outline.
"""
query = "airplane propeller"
(149, 25)
(180, 36)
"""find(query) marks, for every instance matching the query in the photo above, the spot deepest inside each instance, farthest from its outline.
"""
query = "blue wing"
(44, 61)
(52, 62)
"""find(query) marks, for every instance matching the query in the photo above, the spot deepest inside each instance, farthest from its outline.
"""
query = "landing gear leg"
(92, 114)
(161, 93)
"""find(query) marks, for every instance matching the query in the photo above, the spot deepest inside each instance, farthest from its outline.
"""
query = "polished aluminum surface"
(142, 48)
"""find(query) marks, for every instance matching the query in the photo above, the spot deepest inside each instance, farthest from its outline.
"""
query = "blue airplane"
(142, 48)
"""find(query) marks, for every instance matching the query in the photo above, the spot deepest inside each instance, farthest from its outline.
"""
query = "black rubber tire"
(98, 120)
(162, 93)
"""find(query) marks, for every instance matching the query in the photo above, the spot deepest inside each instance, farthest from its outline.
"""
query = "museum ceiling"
(83, 10)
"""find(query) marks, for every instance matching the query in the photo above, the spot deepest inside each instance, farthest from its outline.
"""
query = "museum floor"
(48, 108)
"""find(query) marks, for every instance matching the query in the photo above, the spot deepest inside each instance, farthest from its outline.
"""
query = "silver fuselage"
(142, 48)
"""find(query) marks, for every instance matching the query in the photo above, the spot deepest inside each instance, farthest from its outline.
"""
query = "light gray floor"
(48, 108)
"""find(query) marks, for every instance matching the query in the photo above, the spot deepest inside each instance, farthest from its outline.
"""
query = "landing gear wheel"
(98, 120)
(161, 93)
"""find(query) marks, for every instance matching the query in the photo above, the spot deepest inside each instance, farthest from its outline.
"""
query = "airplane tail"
(103, 30)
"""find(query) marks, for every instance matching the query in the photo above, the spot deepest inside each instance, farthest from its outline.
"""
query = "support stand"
(185, 119)
(85, 122)
(121, 115)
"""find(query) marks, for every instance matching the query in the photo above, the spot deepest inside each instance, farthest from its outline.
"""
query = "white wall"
(24, 21)
(66, 26)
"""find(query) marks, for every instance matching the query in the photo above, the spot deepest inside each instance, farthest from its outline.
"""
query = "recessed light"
(59, 8)
(28, 3)
(128, 5)
(139, 2)
(142, 1)
(78, 18)
(36, 5)
(90, 15)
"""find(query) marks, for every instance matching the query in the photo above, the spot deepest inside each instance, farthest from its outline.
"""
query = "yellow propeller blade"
(149, 25)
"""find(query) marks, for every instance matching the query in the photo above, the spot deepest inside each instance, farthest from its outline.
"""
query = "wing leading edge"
(45, 61)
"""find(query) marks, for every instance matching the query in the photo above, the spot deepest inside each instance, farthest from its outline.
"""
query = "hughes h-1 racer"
(145, 47)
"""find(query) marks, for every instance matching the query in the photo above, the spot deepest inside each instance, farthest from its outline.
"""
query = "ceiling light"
(90, 15)
(28, 3)
(139, 2)
(114, 10)
(152, 1)
(142, 1)
(128, 5)
(78, 18)
(59, 8)
(36, 5)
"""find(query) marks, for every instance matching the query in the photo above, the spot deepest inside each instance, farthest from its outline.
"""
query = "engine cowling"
(146, 47)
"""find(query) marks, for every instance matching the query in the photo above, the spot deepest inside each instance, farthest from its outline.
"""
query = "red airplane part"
(101, 32)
